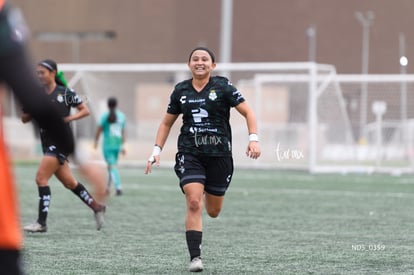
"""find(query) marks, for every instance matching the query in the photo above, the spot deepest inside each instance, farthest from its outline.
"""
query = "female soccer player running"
(54, 161)
(112, 125)
(204, 163)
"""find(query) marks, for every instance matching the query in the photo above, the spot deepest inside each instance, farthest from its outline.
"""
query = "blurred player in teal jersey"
(112, 125)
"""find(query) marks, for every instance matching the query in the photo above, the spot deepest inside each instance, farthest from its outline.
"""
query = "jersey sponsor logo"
(212, 96)
(202, 130)
(238, 95)
(198, 114)
(52, 148)
(183, 99)
(197, 100)
(115, 130)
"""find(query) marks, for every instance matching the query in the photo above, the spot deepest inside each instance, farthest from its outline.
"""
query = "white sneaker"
(196, 265)
(35, 227)
(99, 218)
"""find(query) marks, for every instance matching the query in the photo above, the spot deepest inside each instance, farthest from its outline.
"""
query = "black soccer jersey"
(64, 99)
(206, 129)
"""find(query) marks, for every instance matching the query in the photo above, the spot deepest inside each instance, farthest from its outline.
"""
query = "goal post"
(311, 88)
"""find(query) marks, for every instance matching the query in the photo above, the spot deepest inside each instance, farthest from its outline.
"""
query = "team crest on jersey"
(59, 98)
(212, 95)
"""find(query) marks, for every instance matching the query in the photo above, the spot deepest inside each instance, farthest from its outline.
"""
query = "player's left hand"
(253, 150)
(152, 160)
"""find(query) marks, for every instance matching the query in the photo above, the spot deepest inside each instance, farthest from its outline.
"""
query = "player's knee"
(194, 204)
(213, 212)
(41, 180)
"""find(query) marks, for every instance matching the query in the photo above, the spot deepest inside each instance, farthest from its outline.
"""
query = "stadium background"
(148, 31)
(163, 32)
(274, 222)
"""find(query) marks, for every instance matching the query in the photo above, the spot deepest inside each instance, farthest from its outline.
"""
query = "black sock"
(87, 198)
(44, 202)
(194, 243)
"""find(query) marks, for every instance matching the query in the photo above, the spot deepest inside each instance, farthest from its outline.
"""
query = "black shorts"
(52, 150)
(213, 172)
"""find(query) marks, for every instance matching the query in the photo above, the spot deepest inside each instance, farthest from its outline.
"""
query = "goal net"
(344, 123)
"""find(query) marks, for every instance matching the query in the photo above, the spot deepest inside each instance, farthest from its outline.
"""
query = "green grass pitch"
(273, 222)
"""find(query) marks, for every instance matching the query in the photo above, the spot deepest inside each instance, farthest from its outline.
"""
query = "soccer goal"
(343, 123)
(282, 94)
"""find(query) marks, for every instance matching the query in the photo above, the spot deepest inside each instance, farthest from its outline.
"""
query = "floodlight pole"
(226, 33)
(366, 21)
(403, 98)
(311, 35)
(403, 70)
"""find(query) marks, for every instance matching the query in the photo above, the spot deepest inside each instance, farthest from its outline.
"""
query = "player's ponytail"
(112, 103)
(60, 79)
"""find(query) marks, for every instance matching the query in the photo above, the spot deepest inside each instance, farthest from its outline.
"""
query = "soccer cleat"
(99, 217)
(118, 192)
(35, 227)
(196, 265)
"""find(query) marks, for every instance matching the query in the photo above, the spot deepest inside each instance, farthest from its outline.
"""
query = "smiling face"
(45, 76)
(201, 64)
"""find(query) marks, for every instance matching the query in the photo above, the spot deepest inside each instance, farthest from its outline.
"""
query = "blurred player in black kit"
(17, 74)
(54, 161)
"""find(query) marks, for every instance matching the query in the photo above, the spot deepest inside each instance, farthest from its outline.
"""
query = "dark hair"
(51, 66)
(210, 53)
(112, 103)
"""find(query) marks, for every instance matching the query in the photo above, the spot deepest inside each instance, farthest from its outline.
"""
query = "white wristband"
(155, 152)
(254, 137)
